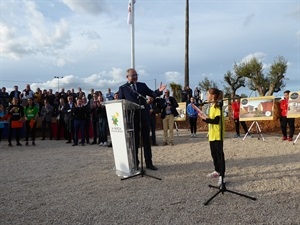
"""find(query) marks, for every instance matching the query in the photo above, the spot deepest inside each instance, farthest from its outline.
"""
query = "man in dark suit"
(131, 91)
(15, 93)
(153, 111)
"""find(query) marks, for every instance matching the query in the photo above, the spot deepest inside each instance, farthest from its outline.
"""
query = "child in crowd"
(193, 115)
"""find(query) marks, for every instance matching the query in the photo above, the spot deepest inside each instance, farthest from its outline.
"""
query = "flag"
(130, 14)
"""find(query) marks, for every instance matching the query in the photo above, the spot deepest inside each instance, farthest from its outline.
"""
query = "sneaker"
(290, 139)
(214, 174)
(26, 143)
(105, 143)
(19, 144)
(220, 181)
(192, 135)
(33, 143)
(237, 136)
(284, 138)
(101, 144)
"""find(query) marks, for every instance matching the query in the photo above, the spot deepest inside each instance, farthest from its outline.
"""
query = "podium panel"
(120, 114)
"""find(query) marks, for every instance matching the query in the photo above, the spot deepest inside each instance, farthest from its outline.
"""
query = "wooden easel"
(258, 131)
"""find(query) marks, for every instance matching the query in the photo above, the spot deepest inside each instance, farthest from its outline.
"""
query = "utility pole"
(186, 64)
(58, 82)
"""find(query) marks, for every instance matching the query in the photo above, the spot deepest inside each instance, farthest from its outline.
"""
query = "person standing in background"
(2, 113)
(109, 95)
(168, 113)
(86, 105)
(69, 118)
(31, 113)
(193, 115)
(284, 121)
(153, 111)
(94, 117)
(189, 94)
(46, 114)
(4, 97)
(60, 119)
(235, 107)
(16, 111)
(103, 123)
(79, 114)
(197, 93)
(15, 93)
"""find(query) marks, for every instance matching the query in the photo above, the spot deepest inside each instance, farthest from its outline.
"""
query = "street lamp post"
(58, 82)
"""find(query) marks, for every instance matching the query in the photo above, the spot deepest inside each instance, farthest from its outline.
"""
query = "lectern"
(120, 117)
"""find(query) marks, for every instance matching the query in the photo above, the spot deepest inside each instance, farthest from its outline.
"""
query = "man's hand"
(162, 87)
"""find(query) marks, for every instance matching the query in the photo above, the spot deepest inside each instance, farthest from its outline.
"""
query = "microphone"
(205, 102)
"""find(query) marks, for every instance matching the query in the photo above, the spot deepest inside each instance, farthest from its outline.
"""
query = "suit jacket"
(12, 94)
(173, 104)
(154, 112)
(126, 92)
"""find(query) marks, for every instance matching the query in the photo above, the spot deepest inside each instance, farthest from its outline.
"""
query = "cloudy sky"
(87, 43)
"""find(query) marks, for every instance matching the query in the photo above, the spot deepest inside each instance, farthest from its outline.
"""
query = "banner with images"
(205, 108)
(257, 108)
(294, 105)
(181, 109)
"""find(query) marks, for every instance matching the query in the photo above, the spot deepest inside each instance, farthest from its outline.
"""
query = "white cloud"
(87, 6)
(173, 76)
(258, 55)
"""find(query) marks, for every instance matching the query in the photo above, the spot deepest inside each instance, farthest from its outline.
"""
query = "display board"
(294, 105)
(257, 108)
(181, 109)
(205, 109)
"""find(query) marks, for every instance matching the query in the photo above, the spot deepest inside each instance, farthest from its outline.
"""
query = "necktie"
(134, 87)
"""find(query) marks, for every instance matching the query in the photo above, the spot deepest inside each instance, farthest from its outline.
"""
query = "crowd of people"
(76, 112)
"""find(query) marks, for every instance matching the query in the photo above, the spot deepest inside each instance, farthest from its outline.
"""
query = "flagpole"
(132, 35)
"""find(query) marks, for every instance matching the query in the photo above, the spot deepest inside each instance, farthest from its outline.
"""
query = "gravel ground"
(55, 183)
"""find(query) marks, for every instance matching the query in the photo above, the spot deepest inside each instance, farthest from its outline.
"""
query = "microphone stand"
(142, 171)
(222, 188)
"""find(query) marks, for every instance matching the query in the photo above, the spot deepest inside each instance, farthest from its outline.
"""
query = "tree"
(176, 90)
(207, 84)
(277, 75)
(234, 81)
(257, 81)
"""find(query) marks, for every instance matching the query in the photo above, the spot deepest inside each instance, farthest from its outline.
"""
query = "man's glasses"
(133, 75)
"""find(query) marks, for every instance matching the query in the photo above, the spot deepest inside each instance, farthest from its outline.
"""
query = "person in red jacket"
(235, 106)
(284, 121)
